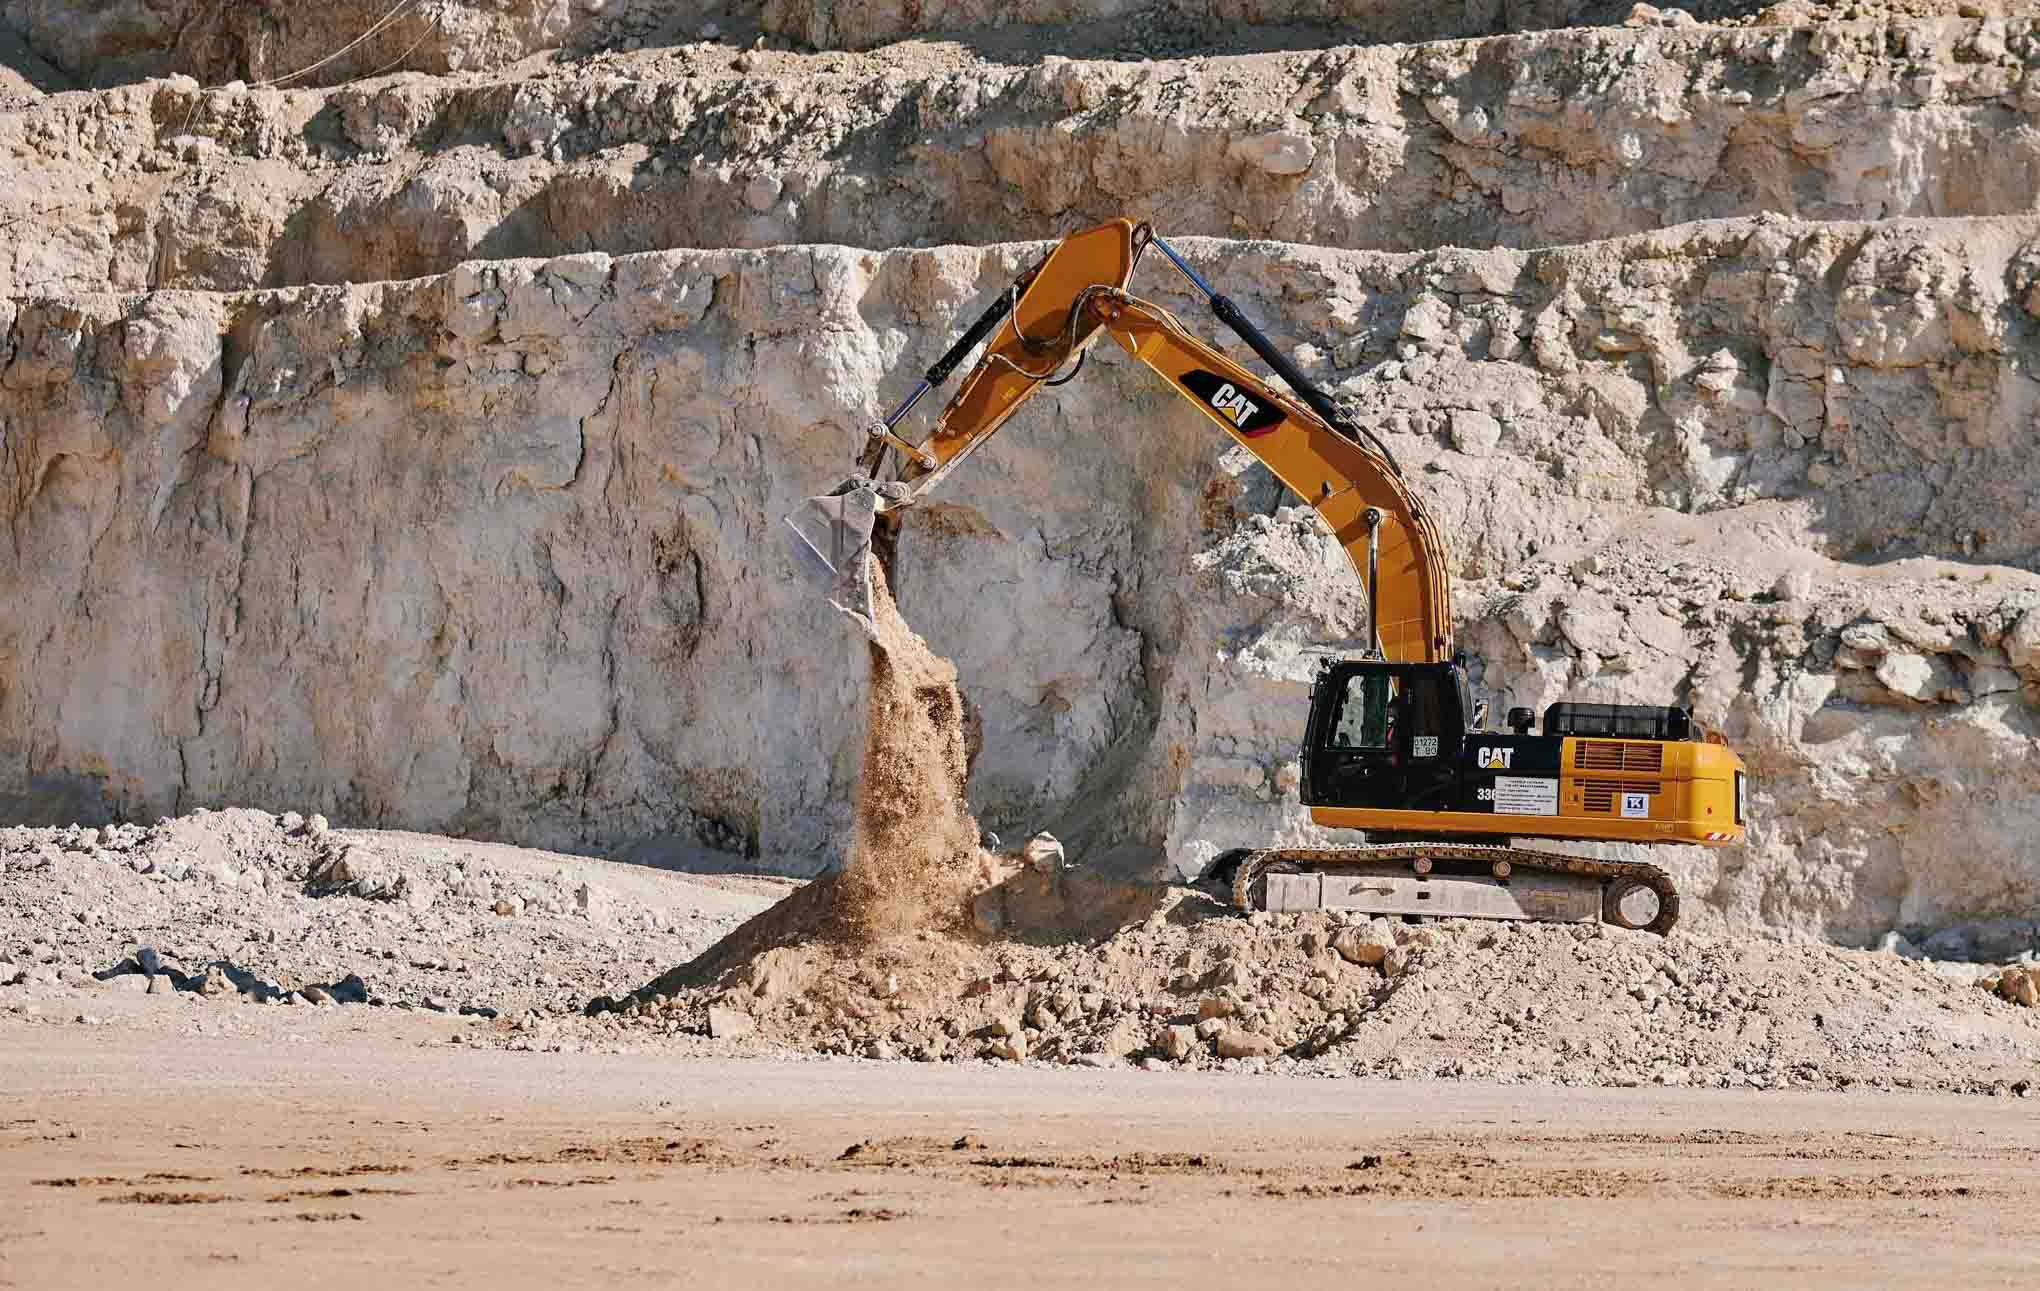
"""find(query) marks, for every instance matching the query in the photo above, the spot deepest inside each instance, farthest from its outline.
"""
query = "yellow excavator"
(1394, 744)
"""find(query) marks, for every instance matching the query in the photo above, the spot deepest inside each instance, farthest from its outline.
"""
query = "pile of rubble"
(1189, 983)
(283, 909)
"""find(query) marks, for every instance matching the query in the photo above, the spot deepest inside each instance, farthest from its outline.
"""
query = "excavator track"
(1248, 891)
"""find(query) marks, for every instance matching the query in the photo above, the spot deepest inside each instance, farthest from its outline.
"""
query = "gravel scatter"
(260, 908)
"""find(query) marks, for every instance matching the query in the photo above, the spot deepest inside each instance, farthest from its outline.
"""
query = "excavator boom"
(1356, 490)
(1046, 321)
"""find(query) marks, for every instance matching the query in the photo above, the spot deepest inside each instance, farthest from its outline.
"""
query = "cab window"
(1427, 709)
(1362, 718)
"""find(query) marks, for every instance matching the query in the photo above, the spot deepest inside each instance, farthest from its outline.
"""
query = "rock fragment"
(988, 913)
(1894, 943)
(730, 1024)
(1276, 152)
(1908, 674)
(1012, 1048)
(1367, 945)
(1176, 1042)
(2020, 984)
(1234, 1043)
(1044, 854)
(1475, 433)
(593, 904)
(1793, 585)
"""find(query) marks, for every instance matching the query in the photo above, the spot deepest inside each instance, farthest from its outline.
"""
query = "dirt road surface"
(326, 1151)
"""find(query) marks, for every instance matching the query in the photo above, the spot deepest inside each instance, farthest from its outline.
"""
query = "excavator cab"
(1385, 735)
(1400, 748)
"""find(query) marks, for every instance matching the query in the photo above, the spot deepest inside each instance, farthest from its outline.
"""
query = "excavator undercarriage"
(1439, 878)
(1394, 745)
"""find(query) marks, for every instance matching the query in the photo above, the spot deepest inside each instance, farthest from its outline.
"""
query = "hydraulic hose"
(1243, 327)
(1320, 403)
(969, 340)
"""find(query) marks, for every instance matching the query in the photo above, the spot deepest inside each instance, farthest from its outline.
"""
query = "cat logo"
(1233, 404)
(1244, 414)
(1494, 759)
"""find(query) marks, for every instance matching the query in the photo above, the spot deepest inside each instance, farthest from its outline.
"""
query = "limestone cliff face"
(498, 551)
(1528, 140)
(105, 42)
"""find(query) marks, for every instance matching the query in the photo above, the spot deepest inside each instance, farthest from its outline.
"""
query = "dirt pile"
(1193, 985)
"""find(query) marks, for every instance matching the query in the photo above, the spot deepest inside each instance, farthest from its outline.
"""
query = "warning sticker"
(1523, 796)
(1423, 746)
(1636, 805)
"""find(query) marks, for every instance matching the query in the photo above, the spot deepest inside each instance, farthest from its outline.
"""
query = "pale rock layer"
(498, 552)
(1527, 140)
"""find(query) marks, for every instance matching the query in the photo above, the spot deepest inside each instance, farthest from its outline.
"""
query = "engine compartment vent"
(1608, 755)
(1601, 795)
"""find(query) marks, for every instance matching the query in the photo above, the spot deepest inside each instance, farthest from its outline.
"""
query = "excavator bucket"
(835, 529)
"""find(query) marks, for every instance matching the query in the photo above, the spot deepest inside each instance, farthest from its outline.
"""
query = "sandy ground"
(350, 1148)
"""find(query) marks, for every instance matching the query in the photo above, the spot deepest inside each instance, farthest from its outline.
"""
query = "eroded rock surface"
(105, 42)
(1525, 140)
(499, 551)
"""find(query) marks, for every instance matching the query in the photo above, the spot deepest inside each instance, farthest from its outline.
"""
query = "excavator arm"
(1043, 324)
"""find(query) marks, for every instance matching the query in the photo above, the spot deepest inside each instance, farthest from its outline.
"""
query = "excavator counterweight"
(1394, 745)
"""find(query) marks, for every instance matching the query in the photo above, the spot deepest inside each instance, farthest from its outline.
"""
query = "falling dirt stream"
(913, 852)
